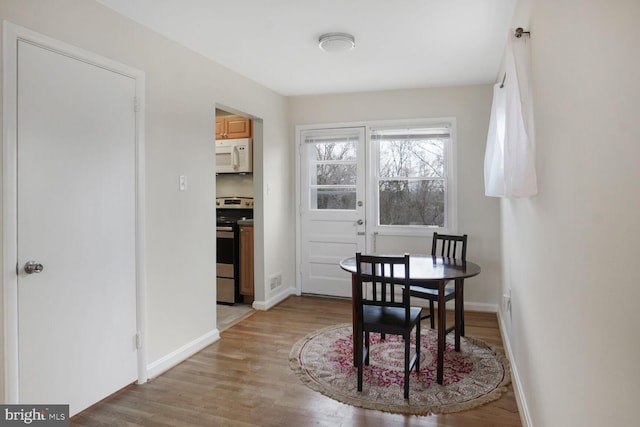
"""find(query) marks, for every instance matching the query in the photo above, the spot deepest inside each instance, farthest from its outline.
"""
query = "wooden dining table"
(425, 270)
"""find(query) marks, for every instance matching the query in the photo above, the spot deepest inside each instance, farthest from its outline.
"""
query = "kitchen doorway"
(236, 278)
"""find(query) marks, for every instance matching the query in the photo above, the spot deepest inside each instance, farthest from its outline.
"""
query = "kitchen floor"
(229, 315)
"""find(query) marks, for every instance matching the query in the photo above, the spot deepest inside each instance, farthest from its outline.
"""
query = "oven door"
(226, 265)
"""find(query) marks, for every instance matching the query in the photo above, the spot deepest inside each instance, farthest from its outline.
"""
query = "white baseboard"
(480, 306)
(275, 299)
(523, 409)
(172, 359)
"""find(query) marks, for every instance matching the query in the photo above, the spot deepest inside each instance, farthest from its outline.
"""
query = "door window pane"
(334, 198)
(333, 173)
(340, 149)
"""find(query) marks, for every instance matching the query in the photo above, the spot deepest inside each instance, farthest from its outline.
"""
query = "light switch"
(183, 182)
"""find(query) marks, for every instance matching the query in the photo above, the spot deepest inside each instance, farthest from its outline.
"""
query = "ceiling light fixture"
(336, 42)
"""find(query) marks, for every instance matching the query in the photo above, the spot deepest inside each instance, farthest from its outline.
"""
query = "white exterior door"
(76, 216)
(332, 207)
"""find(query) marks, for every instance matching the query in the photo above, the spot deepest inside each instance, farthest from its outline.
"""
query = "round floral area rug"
(474, 376)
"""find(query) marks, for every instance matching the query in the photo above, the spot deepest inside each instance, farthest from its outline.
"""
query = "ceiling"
(400, 44)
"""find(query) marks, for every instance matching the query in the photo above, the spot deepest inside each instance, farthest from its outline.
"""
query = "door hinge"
(138, 341)
(136, 104)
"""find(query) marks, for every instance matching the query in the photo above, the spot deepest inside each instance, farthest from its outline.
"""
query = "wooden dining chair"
(382, 305)
(448, 246)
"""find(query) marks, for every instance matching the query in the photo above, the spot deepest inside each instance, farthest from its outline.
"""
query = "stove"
(229, 210)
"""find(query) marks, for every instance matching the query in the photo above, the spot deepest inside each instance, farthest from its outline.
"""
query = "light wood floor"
(244, 379)
(229, 315)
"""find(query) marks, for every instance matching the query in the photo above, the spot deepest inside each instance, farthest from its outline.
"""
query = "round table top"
(428, 268)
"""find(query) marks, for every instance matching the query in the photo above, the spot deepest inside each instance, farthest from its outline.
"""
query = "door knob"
(360, 222)
(33, 267)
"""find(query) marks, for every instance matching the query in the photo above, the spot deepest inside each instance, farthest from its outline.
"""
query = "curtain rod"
(519, 32)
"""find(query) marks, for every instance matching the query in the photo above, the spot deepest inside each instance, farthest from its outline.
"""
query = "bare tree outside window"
(412, 177)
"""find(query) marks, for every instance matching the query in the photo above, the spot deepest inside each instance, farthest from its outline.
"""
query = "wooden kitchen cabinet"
(246, 262)
(233, 127)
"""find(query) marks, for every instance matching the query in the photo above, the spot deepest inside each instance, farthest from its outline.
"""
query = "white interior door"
(332, 207)
(76, 216)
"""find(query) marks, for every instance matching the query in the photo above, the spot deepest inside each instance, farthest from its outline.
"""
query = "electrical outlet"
(506, 301)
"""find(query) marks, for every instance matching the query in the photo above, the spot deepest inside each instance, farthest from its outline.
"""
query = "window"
(332, 171)
(393, 177)
(411, 176)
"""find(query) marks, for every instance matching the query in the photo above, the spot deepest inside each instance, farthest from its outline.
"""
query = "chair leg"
(418, 346)
(366, 346)
(359, 361)
(407, 358)
(431, 318)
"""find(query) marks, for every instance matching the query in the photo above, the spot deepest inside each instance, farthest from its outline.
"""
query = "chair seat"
(432, 294)
(393, 318)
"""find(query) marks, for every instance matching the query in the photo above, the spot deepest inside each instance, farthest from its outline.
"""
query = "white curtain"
(509, 162)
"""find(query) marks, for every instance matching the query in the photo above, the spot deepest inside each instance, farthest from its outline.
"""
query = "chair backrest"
(382, 282)
(450, 246)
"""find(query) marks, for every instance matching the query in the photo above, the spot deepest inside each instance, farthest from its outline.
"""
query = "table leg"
(442, 326)
(458, 313)
(462, 307)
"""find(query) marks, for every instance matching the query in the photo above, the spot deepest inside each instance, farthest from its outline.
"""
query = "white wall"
(571, 252)
(478, 216)
(182, 91)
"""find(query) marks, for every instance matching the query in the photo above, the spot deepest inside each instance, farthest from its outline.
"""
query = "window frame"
(373, 179)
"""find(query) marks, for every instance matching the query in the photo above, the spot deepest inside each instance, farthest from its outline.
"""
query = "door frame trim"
(11, 35)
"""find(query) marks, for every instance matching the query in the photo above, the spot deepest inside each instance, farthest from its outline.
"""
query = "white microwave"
(234, 156)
